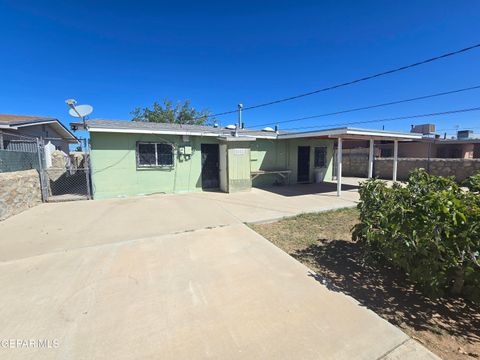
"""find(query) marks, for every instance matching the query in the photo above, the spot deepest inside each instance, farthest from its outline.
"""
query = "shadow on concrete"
(307, 189)
(388, 292)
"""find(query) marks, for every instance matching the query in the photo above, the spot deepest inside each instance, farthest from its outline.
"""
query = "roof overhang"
(155, 132)
(353, 134)
(236, 138)
(57, 125)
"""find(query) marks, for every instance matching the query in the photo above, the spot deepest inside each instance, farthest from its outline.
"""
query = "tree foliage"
(169, 113)
(429, 227)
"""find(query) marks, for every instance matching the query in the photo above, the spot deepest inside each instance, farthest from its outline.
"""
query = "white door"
(223, 168)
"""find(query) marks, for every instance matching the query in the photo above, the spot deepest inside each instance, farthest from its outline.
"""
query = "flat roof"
(352, 133)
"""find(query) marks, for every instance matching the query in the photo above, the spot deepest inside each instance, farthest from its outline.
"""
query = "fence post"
(86, 163)
(41, 171)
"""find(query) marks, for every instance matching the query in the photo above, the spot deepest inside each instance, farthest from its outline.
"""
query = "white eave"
(237, 138)
(353, 133)
(154, 132)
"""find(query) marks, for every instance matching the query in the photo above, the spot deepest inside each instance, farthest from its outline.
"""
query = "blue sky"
(117, 55)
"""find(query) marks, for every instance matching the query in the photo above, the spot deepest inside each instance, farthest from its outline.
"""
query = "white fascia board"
(274, 137)
(346, 131)
(384, 134)
(236, 138)
(36, 123)
(312, 134)
(153, 132)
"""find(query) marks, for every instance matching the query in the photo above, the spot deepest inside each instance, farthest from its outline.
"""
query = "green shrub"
(473, 182)
(428, 227)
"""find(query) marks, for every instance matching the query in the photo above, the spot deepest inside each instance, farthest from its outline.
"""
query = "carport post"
(339, 167)
(370, 160)
(395, 159)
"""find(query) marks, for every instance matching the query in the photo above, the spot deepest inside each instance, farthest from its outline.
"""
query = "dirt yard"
(322, 241)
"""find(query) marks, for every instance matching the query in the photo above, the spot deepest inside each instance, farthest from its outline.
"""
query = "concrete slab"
(410, 349)
(218, 293)
(64, 226)
(176, 276)
(260, 205)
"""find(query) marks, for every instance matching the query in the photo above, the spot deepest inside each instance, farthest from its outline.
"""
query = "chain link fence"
(18, 153)
(63, 177)
(69, 177)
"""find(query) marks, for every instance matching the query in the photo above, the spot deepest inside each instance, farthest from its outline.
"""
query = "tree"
(167, 113)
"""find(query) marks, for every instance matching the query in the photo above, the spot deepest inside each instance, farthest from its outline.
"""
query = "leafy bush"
(473, 182)
(429, 227)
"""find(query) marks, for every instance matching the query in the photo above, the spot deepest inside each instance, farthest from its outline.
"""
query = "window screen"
(154, 154)
(146, 155)
(164, 155)
(320, 157)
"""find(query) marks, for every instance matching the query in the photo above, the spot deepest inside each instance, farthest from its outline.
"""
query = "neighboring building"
(442, 149)
(466, 145)
(49, 129)
(135, 158)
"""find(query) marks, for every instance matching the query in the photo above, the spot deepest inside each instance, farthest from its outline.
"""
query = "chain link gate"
(68, 177)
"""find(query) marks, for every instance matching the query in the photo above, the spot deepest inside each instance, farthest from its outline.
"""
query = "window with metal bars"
(154, 154)
(320, 157)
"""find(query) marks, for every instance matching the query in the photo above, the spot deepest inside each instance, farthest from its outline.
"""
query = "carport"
(346, 133)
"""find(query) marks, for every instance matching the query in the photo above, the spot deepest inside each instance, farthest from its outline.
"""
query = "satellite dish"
(269, 129)
(83, 110)
(231, 127)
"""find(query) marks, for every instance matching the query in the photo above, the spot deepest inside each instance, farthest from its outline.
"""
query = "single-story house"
(14, 127)
(134, 158)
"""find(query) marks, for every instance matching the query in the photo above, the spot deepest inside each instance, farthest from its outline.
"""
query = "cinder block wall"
(355, 162)
(19, 190)
(459, 168)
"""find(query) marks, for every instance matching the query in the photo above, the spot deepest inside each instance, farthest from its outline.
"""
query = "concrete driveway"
(172, 277)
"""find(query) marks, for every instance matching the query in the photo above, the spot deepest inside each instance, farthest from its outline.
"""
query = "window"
(154, 154)
(320, 157)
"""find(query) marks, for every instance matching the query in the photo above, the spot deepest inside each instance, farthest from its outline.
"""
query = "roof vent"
(231, 127)
(269, 129)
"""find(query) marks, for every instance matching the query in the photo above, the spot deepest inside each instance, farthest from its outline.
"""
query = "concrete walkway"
(176, 276)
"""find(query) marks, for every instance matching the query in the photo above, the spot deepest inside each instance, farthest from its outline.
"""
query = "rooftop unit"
(465, 134)
(424, 129)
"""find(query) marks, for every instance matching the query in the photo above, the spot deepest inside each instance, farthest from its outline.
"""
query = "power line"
(461, 128)
(365, 78)
(371, 106)
(390, 119)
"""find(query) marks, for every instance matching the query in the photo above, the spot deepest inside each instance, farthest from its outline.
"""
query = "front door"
(303, 164)
(210, 172)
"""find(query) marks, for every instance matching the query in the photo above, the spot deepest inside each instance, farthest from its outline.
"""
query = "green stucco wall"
(282, 154)
(115, 172)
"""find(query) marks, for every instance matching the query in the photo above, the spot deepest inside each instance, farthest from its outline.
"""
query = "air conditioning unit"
(424, 129)
(464, 134)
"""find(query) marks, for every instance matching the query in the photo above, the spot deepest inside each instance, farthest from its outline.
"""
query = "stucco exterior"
(115, 172)
(282, 154)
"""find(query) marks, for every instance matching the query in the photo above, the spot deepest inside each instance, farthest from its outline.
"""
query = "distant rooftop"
(13, 123)
(19, 119)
